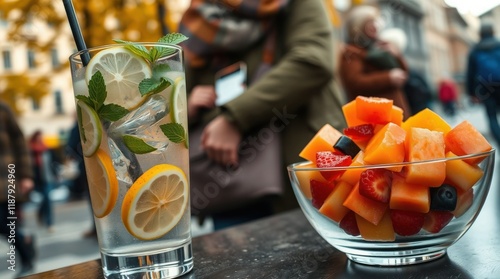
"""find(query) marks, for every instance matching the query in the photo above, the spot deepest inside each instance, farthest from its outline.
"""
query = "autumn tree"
(101, 21)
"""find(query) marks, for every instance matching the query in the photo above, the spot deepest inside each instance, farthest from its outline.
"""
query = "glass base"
(164, 264)
(397, 260)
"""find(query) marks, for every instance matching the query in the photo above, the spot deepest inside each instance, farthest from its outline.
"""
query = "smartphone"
(230, 82)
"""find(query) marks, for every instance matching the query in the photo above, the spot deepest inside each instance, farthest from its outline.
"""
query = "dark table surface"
(286, 246)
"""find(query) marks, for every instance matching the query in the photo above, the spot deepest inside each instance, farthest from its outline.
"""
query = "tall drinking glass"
(131, 106)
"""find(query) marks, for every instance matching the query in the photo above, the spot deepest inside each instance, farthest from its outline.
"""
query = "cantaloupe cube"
(369, 209)
(387, 146)
(424, 144)
(397, 115)
(461, 174)
(465, 139)
(351, 176)
(374, 110)
(304, 178)
(333, 206)
(464, 202)
(428, 119)
(351, 114)
(383, 231)
(406, 196)
(324, 140)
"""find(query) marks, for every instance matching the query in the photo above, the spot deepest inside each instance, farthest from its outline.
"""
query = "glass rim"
(296, 167)
(75, 57)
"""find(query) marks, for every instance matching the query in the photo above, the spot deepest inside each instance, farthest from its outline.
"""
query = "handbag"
(216, 188)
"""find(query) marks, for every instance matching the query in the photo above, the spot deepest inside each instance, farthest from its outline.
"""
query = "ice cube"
(120, 162)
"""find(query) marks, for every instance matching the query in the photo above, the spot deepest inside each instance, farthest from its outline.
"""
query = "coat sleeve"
(356, 81)
(305, 67)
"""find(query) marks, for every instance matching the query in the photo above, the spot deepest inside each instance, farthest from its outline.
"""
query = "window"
(54, 57)
(31, 59)
(58, 102)
(7, 62)
(36, 104)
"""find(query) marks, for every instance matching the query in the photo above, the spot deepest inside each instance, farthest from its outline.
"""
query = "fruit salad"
(393, 195)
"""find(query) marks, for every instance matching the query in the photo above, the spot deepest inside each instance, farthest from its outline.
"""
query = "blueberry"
(443, 197)
(347, 146)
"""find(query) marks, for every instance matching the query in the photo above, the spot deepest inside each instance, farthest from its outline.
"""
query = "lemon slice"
(155, 203)
(103, 184)
(178, 102)
(92, 129)
(122, 72)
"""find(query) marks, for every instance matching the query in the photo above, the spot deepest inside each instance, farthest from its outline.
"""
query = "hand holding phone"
(230, 82)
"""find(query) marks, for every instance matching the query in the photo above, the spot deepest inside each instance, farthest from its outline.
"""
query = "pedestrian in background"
(44, 178)
(369, 66)
(288, 48)
(483, 75)
(15, 160)
(448, 95)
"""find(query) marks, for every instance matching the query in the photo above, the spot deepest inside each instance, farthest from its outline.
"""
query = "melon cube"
(324, 140)
(351, 114)
(464, 202)
(387, 146)
(465, 139)
(304, 178)
(369, 209)
(424, 144)
(374, 110)
(461, 174)
(351, 176)
(407, 196)
(428, 119)
(383, 231)
(333, 206)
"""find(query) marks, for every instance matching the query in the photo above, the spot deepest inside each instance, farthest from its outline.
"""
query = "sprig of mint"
(175, 133)
(96, 98)
(137, 145)
(157, 82)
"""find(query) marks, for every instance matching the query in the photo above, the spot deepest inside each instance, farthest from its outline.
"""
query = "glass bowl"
(403, 250)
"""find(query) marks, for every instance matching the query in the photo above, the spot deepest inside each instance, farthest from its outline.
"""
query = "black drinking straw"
(75, 29)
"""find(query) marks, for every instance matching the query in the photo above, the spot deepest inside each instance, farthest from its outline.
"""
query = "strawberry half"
(376, 184)
(362, 132)
(320, 191)
(436, 220)
(349, 224)
(328, 159)
(406, 223)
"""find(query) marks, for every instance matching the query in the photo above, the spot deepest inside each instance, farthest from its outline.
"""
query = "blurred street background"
(36, 41)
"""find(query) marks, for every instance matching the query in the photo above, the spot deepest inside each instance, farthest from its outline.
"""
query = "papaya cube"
(424, 144)
(351, 114)
(351, 176)
(465, 139)
(464, 202)
(383, 231)
(304, 178)
(332, 207)
(461, 174)
(369, 209)
(428, 119)
(374, 109)
(324, 140)
(387, 146)
(407, 196)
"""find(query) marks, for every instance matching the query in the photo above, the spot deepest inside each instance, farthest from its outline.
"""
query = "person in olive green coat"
(290, 75)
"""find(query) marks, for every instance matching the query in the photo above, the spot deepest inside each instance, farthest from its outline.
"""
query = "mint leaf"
(174, 132)
(97, 90)
(137, 49)
(173, 38)
(159, 70)
(137, 145)
(153, 86)
(112, 112)
(86, 100)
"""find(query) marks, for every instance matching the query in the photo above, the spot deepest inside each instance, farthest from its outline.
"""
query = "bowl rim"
(299, 166)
